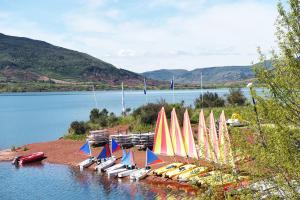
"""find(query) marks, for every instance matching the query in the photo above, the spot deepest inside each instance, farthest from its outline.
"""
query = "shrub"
(210, 100)
(78, 127)
(13, 148)
(94, 115)
(236, 97)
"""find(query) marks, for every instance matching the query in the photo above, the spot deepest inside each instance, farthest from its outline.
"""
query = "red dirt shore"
(67, 152)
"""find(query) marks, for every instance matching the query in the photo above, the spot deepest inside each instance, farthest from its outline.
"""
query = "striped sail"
(205, 148)
(162, 139)
(176, 136)
(226, 156)
(188, 137)
(214, 137)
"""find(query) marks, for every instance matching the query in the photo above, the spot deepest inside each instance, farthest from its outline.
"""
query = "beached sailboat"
(106, 159)
(130, 165)
(88, 162)
(185, 176)
(177, 171)
(151, 159)
(119, 165)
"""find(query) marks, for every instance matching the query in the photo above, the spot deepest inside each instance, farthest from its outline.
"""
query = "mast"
(123, 103)
(201, 92)
(173, 90)
(95, 99)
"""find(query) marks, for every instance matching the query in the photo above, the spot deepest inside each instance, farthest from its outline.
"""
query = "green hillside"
(27, 60)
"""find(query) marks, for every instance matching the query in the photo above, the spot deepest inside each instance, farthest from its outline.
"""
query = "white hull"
(117, 166)
(126, 173)
(139, 174)
(116, 172)
(86, 163)
(104, 165)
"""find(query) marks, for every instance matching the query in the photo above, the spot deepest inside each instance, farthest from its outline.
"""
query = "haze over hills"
(27, 60)
(210, 75)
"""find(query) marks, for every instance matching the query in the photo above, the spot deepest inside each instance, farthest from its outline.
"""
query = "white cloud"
(224, 34)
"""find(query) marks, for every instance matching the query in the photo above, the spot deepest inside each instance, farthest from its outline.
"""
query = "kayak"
(139, 174)
(164, 169)
(215, 178)
(179, 170)
(21, 160)
(185, 176)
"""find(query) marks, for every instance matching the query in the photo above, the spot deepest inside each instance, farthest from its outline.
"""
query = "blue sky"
(142, 35)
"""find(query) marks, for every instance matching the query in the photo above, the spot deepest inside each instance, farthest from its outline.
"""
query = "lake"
(43, 116)
(51, 181)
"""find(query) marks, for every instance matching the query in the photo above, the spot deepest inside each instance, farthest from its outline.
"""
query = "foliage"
(209, 100)
(276, 145)
(78, 128)
(75, 137)
(25, 148)
(236, 97)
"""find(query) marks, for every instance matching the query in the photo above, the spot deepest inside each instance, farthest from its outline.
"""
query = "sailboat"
(119, 165)
(87, 150)
(151, 159)
(130, 165)
(106, 159)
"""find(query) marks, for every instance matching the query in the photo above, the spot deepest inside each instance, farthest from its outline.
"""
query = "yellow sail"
(176, 135)
(188, 137)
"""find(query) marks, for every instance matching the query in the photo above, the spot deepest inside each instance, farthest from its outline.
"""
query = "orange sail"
(214, 137)
(205, 149)
(176, 136)
(226, 156)
(188, 137)
(162, 139)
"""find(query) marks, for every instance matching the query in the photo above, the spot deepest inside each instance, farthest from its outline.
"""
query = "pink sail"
(188, 137)
(176, 136)
(226, 156)
(214, 138)
(205, 148)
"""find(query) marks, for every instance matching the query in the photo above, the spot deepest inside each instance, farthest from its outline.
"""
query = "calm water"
(34, 117)
(51, 181)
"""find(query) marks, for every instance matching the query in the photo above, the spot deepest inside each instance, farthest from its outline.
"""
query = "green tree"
(276, 149)
(210, 100)
(94, 115)
(236, 97)
(78, 127)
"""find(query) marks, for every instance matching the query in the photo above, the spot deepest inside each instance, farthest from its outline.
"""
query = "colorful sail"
(151, 158)
(176, 136)
(226, 156)
(214, 137)
(128, 159)
(162, 139)
(114, 146)
(188, 138)
(105, 153)
(205, 148)
(86, 148)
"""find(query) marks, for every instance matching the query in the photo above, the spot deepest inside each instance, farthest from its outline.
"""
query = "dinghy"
(128, 160)
(114, 167)
(105, 164)
(21, 160)
(87, 150)
(185, 176)
(164, 169)
(151, 159)
(179, 170)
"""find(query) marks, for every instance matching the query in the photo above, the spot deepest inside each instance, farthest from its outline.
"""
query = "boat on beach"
(160, 171)
(87, 162)
(127, 172)
(128, 161)
(179, 170)
(114, 173)
(105, 164)
(114, 167)
(185, 176)
(21, 160)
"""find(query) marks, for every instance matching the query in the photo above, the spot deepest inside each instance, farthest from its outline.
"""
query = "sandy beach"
(67, 152)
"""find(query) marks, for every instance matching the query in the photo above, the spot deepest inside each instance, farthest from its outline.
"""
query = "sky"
(145, 35)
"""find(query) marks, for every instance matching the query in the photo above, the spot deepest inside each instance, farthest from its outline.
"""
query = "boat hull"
(114, 167)
(126, 173)
(115, 173)
(104, 165)
(139, 174)
(31, 158)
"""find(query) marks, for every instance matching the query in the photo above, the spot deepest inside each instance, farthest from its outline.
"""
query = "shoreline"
(66, 152)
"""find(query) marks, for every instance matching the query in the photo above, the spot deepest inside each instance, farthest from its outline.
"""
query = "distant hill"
(26, 60)
(210, 75)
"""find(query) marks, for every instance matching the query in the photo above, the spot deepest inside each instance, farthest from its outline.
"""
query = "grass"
(75, 137)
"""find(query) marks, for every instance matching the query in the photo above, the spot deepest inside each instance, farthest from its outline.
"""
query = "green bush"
(210, 100)
(236, 97)
(78, 128)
